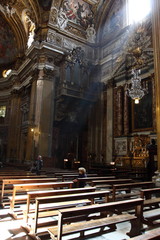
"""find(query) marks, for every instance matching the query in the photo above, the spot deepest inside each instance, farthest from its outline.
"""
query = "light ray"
(138, 9)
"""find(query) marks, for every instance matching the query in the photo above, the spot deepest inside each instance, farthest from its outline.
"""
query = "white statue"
(29, 26)
(62, 19)
(91, 33)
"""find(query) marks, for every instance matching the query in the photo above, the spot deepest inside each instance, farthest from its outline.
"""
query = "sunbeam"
(138, 9)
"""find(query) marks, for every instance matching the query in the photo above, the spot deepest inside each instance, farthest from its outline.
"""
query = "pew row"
(54, 203)
(2, 177)
(10, 182)
(105, 183)
(151, 205)
(73, 215)
(69, 176)
(90, 180)
(19, 189)
(127, 190)
(31, 197)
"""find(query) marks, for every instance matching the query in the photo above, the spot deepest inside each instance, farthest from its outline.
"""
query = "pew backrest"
(131, 186)
(36, 186)
(35, 194)
(104, 182)
(6, 182)
(73, 176)
(67, 199)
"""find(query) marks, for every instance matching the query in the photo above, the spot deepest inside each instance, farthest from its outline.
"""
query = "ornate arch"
(11, 13)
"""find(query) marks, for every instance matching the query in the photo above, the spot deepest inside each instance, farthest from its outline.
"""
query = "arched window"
(138, 10)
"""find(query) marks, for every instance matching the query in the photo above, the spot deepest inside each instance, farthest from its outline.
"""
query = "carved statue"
(62, 19)
(54, 16)
(29, 26)
(91, 33)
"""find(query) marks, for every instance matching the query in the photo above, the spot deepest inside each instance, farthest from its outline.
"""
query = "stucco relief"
(62, 19)
(58, 18)
(51, 37)
(91, 33)
(68, 44)
(54, 16)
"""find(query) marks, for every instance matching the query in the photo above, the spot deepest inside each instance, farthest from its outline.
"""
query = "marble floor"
(12, 229)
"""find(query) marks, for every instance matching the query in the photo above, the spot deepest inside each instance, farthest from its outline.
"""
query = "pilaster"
(14, 127)
(156, 46)
(30, 137)
(44, 111)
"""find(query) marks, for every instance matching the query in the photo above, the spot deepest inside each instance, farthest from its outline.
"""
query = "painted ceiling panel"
(78, 11)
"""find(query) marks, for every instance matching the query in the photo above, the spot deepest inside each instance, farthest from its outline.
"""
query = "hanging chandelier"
(136, 91)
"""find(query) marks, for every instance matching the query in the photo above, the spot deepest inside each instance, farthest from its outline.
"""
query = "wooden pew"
(2, 177)
(151, 203)
(8, 187)
(21, 176)
(150, 235)
(109, 182)
(59, 174)
(66, 177)
(18, 174)
(10, 182)
(127, 187)
(121, 173)
(63, 201)
(31, 197)
(24, 188)
(72, 215)
(89, 180)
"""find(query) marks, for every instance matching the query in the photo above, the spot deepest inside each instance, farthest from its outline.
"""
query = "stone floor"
(12, 230)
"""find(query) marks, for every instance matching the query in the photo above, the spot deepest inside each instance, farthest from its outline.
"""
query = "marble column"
(109, 147)
(156, 47)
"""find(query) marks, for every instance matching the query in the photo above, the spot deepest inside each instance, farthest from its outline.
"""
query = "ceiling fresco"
(8, 49)
(78, 11)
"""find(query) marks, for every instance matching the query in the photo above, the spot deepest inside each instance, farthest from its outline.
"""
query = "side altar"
(132, 156)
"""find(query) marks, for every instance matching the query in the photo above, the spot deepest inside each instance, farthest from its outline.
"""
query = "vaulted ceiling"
(17, 18)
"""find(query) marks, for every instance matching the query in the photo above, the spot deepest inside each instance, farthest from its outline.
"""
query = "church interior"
(79, 86)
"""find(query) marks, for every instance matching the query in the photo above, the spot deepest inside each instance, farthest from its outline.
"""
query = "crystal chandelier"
(136, 91)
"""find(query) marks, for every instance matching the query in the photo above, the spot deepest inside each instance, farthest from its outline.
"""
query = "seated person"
(82, 174)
